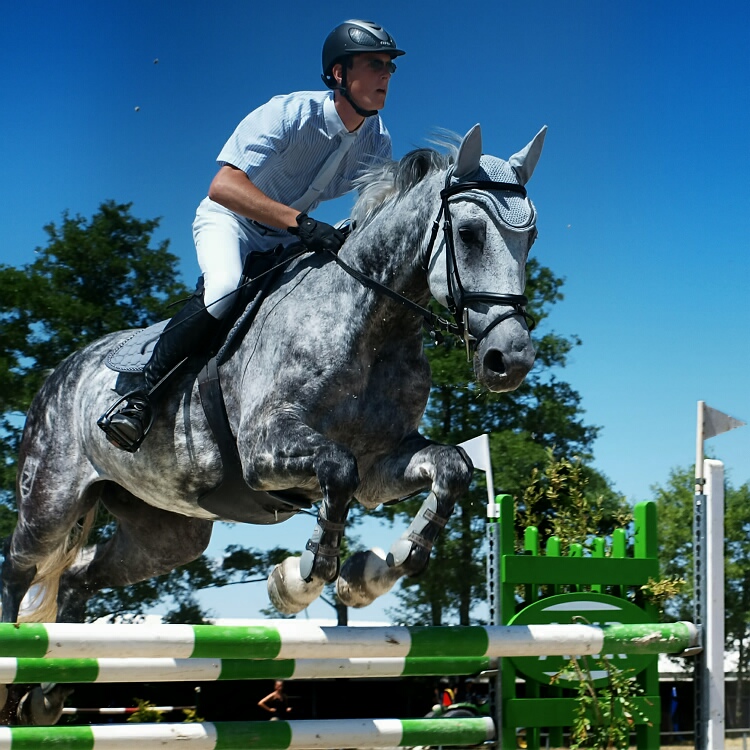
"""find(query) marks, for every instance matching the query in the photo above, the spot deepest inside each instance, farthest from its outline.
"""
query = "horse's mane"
(385, 184)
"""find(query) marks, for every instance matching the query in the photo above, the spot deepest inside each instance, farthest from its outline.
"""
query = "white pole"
(714, 614)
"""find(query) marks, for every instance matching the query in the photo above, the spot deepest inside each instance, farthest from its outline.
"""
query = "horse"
(324, 395)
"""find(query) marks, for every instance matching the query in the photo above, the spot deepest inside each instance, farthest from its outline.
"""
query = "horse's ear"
(524, 162)
(469, 152)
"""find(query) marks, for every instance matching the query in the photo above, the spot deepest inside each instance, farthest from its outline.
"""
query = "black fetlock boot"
(127, 422)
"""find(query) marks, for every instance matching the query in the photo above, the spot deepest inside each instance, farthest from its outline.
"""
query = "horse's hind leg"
(417, 464)
(147, 542)
(46, 539)
(52, 523)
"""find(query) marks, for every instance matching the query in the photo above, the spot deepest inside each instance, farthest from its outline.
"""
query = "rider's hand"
(317, 235)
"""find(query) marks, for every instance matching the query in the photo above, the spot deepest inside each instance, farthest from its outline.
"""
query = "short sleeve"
(264, 133)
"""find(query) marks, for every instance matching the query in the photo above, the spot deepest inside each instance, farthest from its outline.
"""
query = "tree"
(538, 424)
(675, 501)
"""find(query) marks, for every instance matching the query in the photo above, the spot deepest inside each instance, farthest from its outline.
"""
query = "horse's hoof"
(364, 577)
(412, 564)
(314, 565)
(43, 705)
(288, 592)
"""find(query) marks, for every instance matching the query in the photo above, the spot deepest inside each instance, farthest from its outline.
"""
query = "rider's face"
(368, 79)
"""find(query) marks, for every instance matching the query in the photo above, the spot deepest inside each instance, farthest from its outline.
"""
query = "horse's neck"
(389, 249)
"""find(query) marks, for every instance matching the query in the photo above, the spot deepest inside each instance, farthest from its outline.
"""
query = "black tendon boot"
(190, 331)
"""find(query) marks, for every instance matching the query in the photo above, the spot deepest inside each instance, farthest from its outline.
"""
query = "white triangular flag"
(715, 422)
(478, 449)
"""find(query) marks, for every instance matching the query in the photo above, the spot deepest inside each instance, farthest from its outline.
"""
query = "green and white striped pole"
(270, 735)
(295, 640)
(24, 671)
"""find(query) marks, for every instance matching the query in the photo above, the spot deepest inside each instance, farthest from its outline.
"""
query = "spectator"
(276, 703)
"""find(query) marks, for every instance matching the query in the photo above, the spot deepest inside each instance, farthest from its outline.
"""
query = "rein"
(458, 297)
(433, 322)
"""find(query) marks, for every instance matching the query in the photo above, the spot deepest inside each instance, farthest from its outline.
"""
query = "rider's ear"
(469, 153)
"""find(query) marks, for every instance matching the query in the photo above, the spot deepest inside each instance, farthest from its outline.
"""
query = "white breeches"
(222, 242)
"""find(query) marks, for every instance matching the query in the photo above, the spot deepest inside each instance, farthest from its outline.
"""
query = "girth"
(232, 499)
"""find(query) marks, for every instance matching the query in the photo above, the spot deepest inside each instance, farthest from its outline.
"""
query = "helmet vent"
(363, 38)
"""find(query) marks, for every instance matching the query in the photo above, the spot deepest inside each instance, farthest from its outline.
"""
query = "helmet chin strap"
(345, 93)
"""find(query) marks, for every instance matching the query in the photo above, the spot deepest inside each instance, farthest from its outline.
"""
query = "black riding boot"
(190, 331)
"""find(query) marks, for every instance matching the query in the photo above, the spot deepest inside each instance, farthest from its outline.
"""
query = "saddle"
(231, 499)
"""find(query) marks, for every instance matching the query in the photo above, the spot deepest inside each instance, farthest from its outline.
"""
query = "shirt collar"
(334, 124)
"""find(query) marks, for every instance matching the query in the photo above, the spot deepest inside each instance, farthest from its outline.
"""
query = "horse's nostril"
(494, 362)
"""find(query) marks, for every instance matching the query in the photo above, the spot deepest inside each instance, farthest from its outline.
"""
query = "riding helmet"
(353, 37)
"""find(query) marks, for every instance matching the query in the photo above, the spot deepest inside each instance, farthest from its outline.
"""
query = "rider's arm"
(232, 188)
(262, 704)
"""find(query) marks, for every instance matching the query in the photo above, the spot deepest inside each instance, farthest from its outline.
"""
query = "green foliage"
(146, 713)
(605, 716)
(191, 716)
(557, 500)
(662, 591)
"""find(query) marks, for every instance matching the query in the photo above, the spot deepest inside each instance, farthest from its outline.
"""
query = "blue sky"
(642, 189)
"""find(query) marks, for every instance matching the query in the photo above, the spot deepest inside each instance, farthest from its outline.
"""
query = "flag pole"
(699, 479)
(699, 589)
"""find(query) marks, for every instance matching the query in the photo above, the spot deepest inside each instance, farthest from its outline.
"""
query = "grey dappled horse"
(324, 396)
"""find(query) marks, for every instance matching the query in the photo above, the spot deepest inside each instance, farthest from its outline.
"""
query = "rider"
(281, 161)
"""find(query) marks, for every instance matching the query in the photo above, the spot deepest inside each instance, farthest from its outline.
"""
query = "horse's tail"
(43, 591)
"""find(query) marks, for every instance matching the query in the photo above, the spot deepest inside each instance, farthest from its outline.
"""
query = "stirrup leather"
(136, 408)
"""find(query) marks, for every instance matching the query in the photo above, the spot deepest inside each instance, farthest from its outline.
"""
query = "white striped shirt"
(282, 145)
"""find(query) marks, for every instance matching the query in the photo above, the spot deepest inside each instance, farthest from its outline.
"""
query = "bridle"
(458, 299)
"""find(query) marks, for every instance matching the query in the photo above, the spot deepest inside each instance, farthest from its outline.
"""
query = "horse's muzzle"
(503, 368)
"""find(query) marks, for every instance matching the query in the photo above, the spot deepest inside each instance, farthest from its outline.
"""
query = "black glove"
(317, 235)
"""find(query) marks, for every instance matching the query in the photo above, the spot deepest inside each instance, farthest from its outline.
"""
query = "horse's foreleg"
(302, 453)
(418, 464)
(336, 470)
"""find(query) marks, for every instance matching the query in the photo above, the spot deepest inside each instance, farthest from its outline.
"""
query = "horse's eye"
(468, 236)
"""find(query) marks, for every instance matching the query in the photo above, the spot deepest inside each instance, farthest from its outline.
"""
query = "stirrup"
(144, 420)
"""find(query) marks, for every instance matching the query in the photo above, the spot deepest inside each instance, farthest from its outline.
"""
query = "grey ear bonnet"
(514, 210)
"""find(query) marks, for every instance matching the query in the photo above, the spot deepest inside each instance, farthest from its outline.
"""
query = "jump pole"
(290, 640)
(22, 671)
(279, 735)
